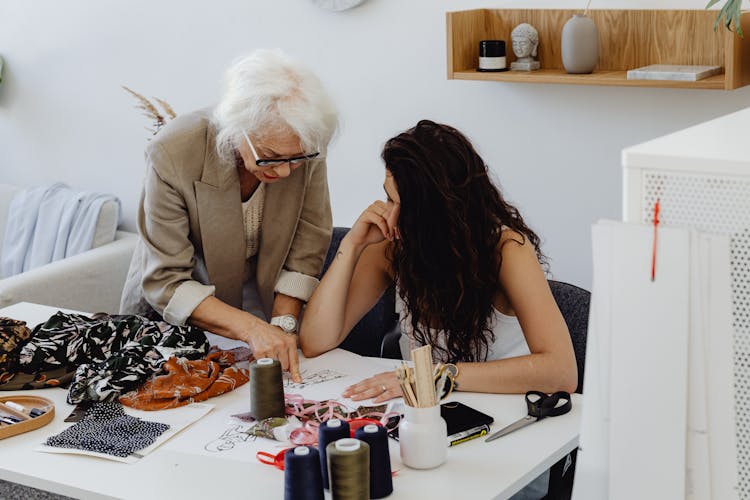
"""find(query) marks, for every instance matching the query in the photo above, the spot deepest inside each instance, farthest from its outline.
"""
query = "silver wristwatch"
(287, 322)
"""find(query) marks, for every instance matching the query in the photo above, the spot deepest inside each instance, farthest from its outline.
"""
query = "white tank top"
(509, 339)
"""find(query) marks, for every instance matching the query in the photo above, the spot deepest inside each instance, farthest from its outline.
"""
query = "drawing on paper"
(229, 438)
(311, 378)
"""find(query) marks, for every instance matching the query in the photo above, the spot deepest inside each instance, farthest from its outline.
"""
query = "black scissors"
(540, 405)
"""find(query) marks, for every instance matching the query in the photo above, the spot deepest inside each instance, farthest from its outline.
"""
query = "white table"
(474, 469)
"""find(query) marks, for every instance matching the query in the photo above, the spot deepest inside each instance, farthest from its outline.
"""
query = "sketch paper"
(324, 377)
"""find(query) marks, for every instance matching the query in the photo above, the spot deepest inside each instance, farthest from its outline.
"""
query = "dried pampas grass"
(151, 110)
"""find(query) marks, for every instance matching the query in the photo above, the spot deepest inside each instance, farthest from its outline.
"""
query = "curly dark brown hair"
(447, 260)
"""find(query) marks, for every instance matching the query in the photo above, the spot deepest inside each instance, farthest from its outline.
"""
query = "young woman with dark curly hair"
(467, 269)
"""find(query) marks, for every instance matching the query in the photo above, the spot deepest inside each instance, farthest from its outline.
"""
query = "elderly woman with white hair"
(235, 216)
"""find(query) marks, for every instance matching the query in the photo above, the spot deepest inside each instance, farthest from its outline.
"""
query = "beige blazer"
(192, 238)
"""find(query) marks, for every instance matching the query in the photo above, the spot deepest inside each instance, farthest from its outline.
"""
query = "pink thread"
(307, 435)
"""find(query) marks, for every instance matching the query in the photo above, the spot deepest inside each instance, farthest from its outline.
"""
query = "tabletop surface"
(174, 470)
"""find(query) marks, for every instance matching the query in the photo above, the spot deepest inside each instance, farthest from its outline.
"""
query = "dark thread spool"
(349, 466)
(381, 481)
(266, 389)
(329, 432)
(302, 480)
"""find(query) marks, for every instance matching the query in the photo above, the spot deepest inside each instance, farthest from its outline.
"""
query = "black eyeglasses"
(294, 161)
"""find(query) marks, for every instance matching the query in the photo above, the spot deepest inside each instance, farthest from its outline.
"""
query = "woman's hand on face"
(268, 341)
(375, 224)
(381, 387)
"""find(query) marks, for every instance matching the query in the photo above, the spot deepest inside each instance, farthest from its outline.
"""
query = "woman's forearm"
(323, 325)
(544, 372)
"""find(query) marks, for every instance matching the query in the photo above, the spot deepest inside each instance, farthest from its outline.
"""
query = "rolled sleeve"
(185, 299)
(297, 285)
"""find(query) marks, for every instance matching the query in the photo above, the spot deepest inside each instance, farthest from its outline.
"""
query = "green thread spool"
(349, 469)
(266, 389)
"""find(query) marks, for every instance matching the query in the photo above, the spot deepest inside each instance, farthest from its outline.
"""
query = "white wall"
(554, 148)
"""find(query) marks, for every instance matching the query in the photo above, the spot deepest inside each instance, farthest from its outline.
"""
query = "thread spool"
(266, 389)
(329, 432)
(302, 480)
(349, 466)
(381, 481)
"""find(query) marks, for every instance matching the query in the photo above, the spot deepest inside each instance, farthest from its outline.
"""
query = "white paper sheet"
(221, 435)
(592, 467)
(649, 358)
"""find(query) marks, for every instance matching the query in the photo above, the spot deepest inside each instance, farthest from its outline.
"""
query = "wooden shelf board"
(613, 78)
(627, 39)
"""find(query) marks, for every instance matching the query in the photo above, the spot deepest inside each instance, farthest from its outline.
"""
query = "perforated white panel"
(719, 205)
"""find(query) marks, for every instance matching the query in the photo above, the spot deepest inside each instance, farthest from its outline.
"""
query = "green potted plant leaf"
(729, 14)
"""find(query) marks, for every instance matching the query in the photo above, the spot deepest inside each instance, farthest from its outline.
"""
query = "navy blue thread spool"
(381, 480)
(302, 480)
(329, 432)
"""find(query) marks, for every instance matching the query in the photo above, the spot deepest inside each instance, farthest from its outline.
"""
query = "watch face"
(337, 5)
(288, 324)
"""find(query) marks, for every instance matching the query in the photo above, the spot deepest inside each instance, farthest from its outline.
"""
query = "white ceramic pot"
(423, 438)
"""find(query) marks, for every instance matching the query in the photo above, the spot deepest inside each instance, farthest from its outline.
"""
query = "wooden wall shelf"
(627, 39)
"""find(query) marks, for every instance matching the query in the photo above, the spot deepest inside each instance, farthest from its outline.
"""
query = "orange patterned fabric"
(188, 382)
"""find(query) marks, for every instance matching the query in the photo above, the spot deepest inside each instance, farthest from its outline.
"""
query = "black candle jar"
(492, 56)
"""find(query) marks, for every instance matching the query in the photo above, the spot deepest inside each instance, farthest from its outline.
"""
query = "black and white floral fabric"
(13, 334)
(105, 428)
(111, 355)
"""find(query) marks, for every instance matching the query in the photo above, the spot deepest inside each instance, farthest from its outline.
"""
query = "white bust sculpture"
(525, 44)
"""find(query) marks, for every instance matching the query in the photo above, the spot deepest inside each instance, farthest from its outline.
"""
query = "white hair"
(267, 92)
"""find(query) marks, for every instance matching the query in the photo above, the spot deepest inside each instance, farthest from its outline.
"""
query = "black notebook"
(460, 418)
(463, 423)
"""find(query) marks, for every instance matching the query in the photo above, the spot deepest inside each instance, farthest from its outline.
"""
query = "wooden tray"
(29, 423)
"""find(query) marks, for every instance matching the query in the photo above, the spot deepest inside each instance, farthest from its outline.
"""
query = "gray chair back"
(574, 303)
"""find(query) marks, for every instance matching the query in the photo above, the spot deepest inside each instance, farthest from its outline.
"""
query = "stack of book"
(673, 72)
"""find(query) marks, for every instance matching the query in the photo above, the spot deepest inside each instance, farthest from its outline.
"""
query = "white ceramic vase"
(423, 437)
(580, 45)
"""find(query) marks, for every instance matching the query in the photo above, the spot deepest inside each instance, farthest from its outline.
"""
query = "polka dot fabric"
(107, 429)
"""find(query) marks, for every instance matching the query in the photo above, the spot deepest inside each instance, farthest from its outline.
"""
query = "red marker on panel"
(653, 255)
